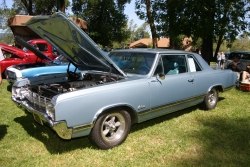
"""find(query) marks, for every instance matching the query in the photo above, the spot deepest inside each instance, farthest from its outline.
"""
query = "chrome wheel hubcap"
(212, 98)
(113, 127)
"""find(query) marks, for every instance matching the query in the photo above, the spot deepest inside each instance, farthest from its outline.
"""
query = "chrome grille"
(37, 102)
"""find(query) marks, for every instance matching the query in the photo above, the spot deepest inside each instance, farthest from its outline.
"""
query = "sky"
(129, 11)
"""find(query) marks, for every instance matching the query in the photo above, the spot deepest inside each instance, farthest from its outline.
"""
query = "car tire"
(111, 129)
(211, 99)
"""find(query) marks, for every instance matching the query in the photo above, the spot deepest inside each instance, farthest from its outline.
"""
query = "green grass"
(190, 137)
(212, 63)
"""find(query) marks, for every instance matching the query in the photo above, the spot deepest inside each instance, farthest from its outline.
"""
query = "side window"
(41, 47)
(182, 64)
(246, 56)
(193, 65)
(171, 64)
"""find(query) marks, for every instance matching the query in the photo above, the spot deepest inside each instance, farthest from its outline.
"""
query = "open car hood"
(12, 50)
(37, 52)
(71, 41)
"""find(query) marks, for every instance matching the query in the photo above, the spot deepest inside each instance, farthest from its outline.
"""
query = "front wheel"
(111, 129)
(211, 99)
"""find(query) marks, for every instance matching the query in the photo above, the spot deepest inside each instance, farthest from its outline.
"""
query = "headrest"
(175, 65)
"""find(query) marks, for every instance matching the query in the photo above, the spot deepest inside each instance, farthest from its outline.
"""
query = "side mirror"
(161, 76)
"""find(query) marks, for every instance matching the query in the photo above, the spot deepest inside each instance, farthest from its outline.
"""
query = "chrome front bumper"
(60, 127)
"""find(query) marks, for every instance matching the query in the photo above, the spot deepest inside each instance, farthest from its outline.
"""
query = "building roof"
(144, 42)
(162, 43)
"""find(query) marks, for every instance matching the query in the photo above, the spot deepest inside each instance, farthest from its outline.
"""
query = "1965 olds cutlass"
(112, 92)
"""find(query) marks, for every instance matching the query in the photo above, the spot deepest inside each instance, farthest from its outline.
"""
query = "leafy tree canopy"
(39, 7)
(6, 13)
(106, 19)
(209, 20)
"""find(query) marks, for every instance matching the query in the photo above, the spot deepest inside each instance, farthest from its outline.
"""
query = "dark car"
(244, 56)
(226, 55)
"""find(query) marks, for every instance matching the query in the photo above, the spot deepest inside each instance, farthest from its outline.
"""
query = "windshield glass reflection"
(134, 63)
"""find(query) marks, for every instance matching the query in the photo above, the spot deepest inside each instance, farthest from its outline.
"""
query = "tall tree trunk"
(207, 48)
(28, 6)
(62, 5)
(217, 47)
(208, 31)
(152, 25)
(172, 44)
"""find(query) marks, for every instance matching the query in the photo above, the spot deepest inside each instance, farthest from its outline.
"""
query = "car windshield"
(26, 49)
(134, 63)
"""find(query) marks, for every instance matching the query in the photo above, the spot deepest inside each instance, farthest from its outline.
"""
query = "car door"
(202, 78)
(175, 91)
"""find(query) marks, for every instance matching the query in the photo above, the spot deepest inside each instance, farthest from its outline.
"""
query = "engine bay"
(74, 83)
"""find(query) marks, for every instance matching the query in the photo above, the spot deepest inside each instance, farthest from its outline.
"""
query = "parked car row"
(12, 55)
(31, 70)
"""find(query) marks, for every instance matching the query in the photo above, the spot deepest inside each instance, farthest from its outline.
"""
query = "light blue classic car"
(115, 91)
(31, 70)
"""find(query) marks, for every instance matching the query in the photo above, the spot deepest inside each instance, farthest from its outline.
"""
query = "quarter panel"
(205, 80)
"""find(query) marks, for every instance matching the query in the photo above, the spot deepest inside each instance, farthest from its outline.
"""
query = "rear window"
(246, 56)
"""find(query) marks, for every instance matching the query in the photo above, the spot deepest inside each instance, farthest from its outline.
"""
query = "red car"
(15, 55)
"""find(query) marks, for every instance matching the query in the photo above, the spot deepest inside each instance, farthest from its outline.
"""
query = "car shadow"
(55, 144)
(49, 138)
(221, 98)
(3, 131)
(169, 116)
(9, 88)
(163, 118)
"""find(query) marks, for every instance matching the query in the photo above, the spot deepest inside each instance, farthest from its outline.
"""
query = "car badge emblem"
(141, 107)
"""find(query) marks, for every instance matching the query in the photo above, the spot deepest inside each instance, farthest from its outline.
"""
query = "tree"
(51, 6)
(147, 10)
(40, 7)
(132, 28)
(6, 13)
(137, 33)
(106, 19)
(210, 20)
(242, 42)
(141, 32)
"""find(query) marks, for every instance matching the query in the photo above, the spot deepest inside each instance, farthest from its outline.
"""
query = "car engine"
(51, 89)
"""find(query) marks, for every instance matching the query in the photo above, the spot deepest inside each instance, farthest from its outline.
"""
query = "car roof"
(150, 50)
(240, 51)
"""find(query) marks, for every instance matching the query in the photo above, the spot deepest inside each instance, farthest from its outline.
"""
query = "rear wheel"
(211, 99)
(111, 129)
